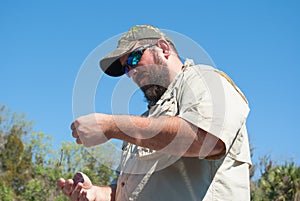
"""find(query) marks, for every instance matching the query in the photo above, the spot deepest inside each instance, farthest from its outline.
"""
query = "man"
(192, 144)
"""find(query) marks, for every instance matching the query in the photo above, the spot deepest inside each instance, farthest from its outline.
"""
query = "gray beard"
(159, 81)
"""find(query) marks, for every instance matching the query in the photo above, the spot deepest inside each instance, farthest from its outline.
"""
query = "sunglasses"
(134, 58)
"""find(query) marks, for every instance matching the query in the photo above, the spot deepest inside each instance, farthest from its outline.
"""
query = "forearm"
(171, 135)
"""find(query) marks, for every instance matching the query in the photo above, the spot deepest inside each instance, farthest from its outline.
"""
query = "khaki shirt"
(202, 96)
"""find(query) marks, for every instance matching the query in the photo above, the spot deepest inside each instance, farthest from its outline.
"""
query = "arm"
(171, 135)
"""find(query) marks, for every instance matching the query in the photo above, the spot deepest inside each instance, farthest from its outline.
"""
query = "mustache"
(139, 75)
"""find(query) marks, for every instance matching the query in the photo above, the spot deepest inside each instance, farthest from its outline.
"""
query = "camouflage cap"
(111, 64)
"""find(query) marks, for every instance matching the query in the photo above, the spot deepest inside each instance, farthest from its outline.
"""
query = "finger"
(60, 183)
(73, 126)
(76, 192)
(67, 190)
(83, 196)
(74, 133)
(78, 141)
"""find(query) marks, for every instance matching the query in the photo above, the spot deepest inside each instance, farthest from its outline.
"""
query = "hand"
(90, 130)
(79, 188)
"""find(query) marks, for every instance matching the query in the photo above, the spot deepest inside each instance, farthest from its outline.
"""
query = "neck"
(175, 67)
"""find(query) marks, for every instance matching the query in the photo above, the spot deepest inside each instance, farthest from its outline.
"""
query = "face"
(151, 74)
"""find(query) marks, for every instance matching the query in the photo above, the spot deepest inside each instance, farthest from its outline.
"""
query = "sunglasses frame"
(135, 56)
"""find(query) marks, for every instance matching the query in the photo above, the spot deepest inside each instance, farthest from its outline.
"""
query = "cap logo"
(135, 29)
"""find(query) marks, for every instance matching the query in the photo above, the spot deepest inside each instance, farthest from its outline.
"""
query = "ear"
(164, 45)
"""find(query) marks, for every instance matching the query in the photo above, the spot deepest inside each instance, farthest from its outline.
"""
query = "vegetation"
(277, 182)
(29, 168)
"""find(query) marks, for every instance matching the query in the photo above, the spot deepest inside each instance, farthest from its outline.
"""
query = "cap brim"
(111, 64)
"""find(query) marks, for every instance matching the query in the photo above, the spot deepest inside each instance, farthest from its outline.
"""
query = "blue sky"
(43, 44)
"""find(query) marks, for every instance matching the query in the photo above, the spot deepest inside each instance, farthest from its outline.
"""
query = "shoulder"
(201, 75)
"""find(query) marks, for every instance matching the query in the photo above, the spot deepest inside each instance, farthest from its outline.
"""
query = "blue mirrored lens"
(134, 58)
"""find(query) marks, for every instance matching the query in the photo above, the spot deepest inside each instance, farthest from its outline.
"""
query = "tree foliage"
(277, 182)
(29, 167)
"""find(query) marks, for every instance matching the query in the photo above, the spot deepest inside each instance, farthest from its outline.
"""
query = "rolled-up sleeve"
(210, 102)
